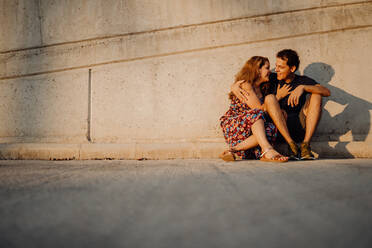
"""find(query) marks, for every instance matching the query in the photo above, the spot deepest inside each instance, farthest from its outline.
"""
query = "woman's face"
(265, 72)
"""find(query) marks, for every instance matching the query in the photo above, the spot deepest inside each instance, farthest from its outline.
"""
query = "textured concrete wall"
(152, 77)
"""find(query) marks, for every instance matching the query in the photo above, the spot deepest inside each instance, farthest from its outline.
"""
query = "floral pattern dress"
(236, 125)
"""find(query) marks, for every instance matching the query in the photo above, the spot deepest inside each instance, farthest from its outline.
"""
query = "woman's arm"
(244, 91)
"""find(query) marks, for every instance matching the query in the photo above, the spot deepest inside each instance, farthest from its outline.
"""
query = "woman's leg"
(258, 137)
(248, 143)
(258, 130)
(251, 141)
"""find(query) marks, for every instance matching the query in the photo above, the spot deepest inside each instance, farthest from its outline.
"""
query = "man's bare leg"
(312, 113)
(273, 108)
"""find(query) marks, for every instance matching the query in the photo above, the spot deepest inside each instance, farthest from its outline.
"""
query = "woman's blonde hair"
(250, 72)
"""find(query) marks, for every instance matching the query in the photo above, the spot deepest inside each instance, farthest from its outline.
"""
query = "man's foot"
(293, 151)
(270, 155)
(306, 153)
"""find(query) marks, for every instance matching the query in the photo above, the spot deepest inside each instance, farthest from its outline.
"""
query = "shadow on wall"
(354, 118)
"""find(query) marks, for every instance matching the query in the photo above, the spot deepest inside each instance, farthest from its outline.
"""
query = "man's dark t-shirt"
(298, 80)
(293, 121)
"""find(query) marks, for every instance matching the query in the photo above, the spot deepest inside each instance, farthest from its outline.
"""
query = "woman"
(244, 124)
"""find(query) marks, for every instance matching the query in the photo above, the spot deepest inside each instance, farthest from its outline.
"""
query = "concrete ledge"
(187, 150)
(39, 151)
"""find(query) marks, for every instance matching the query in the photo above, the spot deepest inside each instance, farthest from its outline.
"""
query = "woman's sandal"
(228, 155)
(277, 158)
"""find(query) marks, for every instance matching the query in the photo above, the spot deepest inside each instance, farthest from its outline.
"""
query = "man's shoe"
(306, 153)
(293, 151)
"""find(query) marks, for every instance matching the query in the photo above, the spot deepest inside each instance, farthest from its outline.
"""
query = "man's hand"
(295, 95)
(283, 91)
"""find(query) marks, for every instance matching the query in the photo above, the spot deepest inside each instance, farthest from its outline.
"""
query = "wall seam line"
(89, 118)
(184, 52)
(40, 25)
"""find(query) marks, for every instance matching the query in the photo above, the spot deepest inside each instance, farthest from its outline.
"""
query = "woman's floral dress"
(236, 125)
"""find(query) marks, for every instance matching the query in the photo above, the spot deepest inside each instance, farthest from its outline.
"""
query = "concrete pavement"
(186, 203)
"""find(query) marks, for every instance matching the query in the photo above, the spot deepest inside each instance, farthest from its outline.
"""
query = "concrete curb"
(187, 150)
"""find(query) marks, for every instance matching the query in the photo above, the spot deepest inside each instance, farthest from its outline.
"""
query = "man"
(291, 91)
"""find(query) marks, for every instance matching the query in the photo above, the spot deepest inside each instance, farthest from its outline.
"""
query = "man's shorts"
(296, 124)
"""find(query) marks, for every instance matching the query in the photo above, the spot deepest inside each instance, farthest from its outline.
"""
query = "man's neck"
(290, 78)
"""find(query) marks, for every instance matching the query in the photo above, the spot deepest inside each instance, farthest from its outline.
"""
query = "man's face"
(283, 70)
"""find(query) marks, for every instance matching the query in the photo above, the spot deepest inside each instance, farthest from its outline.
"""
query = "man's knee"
(270, 98)
(269, 101)
(315, 98)
(313, 103)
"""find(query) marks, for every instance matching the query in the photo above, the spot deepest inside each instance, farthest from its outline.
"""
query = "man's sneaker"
(293, 151)
(306, 153)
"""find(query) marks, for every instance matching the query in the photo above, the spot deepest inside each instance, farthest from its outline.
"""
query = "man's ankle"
(293, 151)
(306, 153)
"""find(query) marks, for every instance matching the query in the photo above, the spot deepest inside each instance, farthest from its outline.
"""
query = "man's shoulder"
(302, 79)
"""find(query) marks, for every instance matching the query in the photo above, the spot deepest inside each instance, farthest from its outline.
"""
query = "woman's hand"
(245, 93)
(283, 91)
(241, 94)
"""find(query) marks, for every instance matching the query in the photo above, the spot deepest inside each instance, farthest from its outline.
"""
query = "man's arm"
(295, 95)
(317, 89)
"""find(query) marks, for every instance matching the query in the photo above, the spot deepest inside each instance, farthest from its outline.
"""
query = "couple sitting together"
(263, 103)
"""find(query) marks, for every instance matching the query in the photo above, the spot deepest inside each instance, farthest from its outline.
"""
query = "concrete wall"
(130, 79)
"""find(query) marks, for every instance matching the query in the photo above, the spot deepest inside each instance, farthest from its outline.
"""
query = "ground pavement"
(186, 203)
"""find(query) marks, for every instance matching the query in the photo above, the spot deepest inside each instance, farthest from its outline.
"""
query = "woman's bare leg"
(248, 143)
(257, 138)
(258, 130)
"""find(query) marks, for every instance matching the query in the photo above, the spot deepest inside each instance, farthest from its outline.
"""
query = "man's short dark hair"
(290, 56)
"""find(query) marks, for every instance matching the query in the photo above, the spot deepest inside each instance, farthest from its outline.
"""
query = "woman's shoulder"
(246, 86)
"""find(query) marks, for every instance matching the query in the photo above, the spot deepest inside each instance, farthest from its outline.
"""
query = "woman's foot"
(270, 155)
(228, 155)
